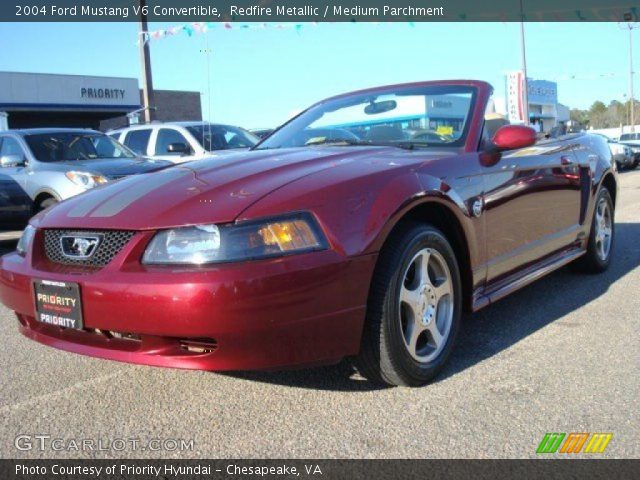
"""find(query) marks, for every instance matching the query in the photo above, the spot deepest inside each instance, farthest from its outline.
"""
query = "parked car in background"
(430, 136)
(15, 204)
(180, 142)
(40, 167)
(314, 246)
(323, 135)
(622, 153)
(262, 132)
(632, 140)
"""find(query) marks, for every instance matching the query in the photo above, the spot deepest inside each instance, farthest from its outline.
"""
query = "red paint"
(307, 308)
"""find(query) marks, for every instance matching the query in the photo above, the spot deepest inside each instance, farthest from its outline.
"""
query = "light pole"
(525, 90)
(145, 60)
(628, 112)
(631, 27)
(631, 105)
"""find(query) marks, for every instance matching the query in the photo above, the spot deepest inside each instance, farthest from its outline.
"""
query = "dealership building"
(50, 100)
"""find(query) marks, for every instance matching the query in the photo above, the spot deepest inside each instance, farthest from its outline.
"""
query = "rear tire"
(413, 311)
(601, 237)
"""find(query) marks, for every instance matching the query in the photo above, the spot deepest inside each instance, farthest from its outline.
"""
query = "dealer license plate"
(58, 303)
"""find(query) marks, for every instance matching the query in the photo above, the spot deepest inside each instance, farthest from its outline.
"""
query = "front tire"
(413, 311)
(601, 238)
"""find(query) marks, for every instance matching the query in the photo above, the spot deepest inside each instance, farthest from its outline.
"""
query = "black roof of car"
(36, 131)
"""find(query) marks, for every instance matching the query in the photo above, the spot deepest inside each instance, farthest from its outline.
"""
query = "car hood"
(113, 167)
(204, 191)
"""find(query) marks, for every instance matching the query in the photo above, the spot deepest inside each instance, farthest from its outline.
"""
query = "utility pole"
(628, 17)
(632, 104)
(207, 51)
(145, 61)
(525, 90)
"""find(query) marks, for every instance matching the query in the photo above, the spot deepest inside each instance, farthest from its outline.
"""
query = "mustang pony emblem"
(79, 246)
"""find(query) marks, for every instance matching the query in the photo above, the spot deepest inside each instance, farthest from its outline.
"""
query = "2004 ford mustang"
(361, 228)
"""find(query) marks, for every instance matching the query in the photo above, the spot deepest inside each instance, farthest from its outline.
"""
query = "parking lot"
(562, 355)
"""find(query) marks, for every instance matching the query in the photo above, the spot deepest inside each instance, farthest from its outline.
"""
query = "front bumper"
(297, 310)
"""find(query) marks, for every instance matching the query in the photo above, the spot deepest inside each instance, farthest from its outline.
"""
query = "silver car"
(623, 153)
(40, 167)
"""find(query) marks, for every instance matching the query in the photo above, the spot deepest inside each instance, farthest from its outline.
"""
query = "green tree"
(598, 108)
(581, 117)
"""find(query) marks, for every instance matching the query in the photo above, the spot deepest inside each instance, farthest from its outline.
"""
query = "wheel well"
(445, 220)
(610, 183)
(41, 197)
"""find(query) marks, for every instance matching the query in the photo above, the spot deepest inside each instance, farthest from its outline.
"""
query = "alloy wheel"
(426, 305)
(604, 229)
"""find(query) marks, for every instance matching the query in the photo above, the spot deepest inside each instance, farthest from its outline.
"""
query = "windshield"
(222, 137)
(66, 146)
(407, 117)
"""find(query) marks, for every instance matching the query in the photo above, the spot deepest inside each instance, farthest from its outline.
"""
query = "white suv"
(183, 141)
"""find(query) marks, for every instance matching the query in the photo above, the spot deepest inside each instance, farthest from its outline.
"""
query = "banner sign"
(515, 97)
(542, 92)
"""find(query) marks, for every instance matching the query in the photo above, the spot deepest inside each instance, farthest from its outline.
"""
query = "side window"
(115, 136)
(137, 140)
(167, 136)
(10, 146)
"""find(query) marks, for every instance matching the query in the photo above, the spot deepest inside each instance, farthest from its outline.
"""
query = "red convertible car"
(340, 235)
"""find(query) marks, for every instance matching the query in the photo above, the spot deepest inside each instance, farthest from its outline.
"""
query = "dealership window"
(167, 136)
(137, 140)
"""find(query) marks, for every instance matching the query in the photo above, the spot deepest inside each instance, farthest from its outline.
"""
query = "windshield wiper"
(338, 142)
(411, 145)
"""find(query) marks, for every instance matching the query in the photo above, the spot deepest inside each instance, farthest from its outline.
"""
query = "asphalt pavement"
(562, 355)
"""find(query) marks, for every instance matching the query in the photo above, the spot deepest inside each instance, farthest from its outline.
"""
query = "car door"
(532, 205)
(167, 138)
(15, 203)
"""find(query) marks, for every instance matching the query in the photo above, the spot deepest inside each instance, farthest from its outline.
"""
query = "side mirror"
(178, 147)
(511, 137)
(9, 161)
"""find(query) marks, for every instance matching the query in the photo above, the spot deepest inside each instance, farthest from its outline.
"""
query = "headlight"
(25, 240)
(85, 179)
(243, 241)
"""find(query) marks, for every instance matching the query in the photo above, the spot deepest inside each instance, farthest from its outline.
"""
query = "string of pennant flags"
(194, 28)
(615, 14)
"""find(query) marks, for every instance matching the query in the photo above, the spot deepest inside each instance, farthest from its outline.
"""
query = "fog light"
(196, 345)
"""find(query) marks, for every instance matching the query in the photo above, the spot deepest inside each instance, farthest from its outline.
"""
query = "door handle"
(565, 160)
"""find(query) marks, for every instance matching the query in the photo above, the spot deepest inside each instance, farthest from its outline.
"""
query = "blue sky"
(260, 77)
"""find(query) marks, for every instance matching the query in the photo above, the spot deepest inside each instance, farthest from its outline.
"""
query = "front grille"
(112, 241)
